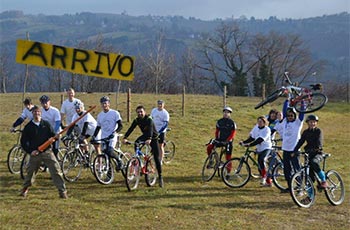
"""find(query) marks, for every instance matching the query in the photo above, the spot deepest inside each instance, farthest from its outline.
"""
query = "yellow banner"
(85, 62)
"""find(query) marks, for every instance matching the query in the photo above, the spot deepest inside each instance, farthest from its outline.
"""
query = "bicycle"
(75, 160)
(302, 187)
(140, 164)
(213, 163)
(169, 150)
(103, 167)
(236, 172)
(304, 100)
(15, 155)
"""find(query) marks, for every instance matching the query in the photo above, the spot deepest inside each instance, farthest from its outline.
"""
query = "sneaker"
(268, 182)
(63, 195)
(119, 165)
(306, 200)
(324, 184)
(263, 181)
(24, 192)
(161, 183)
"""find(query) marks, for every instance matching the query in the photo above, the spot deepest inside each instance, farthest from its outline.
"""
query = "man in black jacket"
(149, 136)
(34, 134)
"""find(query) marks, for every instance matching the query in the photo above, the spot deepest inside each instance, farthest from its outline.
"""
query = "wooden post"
(225, 94)
(183, 100)
(263, 91)
(128, 105)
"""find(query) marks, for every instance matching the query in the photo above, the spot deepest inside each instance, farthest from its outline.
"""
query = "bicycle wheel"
(24, 165)
(91, 157)
(302, 190)
(278, 177)
(210, 166)
(335, 192)
(235, 173)
(272, 97)
(311, 103)
(151, 172)
(103, 169)
(61, 152)
(254, 167)
(133, 173)
(14, 159)
(169, 151)
(72, 166)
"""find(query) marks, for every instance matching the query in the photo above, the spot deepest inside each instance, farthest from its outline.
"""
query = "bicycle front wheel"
(335, 192)
(14, 159)
(103, 169)
(278, 177)
(151, 173)
(235, 173)
(272, 97)
(302, 190)
(133, 173)
(254, 167)
(311, 103)
(169, 151)
(72, 166)
(24, 165)
(210, 166)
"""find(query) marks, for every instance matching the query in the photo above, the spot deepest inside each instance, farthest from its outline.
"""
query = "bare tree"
(225, 57)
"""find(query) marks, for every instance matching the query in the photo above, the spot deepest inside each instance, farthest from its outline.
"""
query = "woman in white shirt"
(260, 136)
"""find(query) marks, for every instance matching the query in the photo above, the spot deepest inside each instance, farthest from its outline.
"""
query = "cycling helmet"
(312, 117)
(227, 108)
(292, 110)
(44, 99)
(79, 105)
(104, 99)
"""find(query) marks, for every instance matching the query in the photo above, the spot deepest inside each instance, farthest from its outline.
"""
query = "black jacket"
(33, 135)
(146, 125)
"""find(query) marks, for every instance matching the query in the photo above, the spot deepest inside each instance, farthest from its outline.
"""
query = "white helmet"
(227, 108)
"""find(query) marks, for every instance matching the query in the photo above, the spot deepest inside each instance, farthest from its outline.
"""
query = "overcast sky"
(202, 9)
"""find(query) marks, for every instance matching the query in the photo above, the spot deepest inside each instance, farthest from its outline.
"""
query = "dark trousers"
(155, 151)
(290, 160)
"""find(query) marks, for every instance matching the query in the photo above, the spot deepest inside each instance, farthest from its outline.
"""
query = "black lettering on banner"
(82, 60)
(97, 69)
(120, 64)
(31, 51)
(110, 70)
(58, 55)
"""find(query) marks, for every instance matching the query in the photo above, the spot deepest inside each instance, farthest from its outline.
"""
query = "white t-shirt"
(51, 115)
(160, 117)
(265, 134)
(92, 123)
(108, 123)
(291, 134)
(27, 114)
(68, 109)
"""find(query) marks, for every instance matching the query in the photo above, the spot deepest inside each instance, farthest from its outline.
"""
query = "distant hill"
(327, 36)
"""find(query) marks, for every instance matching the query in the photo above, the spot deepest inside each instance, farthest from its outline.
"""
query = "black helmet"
(44, 99)
(104, 99)
(312, 117)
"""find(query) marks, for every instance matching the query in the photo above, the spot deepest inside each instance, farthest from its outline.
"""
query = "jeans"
(290, 160)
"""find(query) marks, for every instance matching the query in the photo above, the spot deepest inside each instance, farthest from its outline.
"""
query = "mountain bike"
(140, 164)
(272, 160)
(302, 187)
(75, 160)
(104, 166)
(304, 100)
(169, 150)
(15, 155)
(214, 162)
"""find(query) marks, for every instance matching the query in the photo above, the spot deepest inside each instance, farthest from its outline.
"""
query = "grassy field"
(185, 202)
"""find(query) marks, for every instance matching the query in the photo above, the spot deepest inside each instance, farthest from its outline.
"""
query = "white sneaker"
(263, 181)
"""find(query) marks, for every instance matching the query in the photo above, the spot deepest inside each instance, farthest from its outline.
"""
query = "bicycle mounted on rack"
(304, 100)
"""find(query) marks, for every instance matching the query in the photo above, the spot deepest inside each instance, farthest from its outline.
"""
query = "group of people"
(46, 122)
(289, 125)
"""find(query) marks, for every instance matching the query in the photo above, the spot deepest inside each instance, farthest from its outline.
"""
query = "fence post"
(263, 91)
(128, 105)
(225, 94)
(183, 100)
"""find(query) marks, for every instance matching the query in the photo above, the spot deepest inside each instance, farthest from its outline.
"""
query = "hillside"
(326, 36)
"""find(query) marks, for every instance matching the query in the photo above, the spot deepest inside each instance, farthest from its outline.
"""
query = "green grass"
(185, 202)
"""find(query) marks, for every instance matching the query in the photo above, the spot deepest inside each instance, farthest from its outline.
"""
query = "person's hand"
(34, 153)
(148, 142)
(125, 141)
(12, 130)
